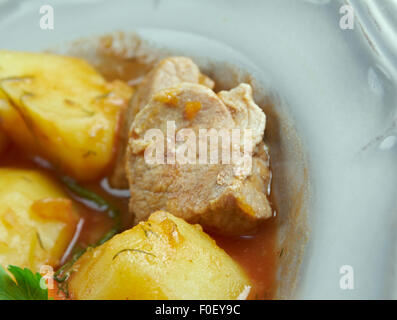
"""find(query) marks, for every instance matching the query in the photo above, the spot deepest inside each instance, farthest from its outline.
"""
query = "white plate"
(338, 85)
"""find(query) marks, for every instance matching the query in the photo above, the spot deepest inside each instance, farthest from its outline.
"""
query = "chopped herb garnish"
(16, 78)
(73, 103)
(133, 250)
(25, 287)
(103, 96)
(88, 112)
(148, 231)
(40, 241)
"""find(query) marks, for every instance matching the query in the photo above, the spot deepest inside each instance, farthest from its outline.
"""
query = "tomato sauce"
(257, 255)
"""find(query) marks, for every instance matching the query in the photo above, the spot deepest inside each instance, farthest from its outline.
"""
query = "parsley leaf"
(25, 287)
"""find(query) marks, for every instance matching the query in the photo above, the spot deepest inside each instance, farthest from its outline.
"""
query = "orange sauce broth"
(257, 255)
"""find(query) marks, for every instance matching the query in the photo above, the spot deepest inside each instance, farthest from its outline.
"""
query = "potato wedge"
(37, 220)
(70, 113)
(162, 258)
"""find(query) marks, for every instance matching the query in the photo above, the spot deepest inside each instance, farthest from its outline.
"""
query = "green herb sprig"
(26, 285)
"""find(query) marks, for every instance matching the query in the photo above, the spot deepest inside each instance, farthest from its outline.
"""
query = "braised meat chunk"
(167, 73)
(224, 196)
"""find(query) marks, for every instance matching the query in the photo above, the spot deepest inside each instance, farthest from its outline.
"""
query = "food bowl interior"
(330, 100)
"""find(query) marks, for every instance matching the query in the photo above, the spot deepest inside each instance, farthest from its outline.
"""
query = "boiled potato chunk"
(70, 114)
(37, 220)
(162, 258)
